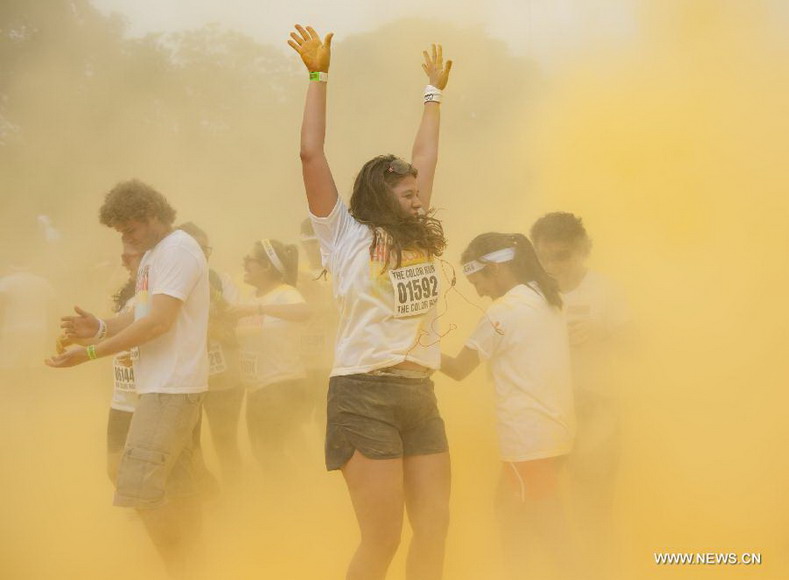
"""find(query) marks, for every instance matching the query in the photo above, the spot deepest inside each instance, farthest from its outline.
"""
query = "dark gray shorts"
(383, 417)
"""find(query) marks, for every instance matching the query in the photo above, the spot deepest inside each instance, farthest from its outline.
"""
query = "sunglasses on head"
(399, 167)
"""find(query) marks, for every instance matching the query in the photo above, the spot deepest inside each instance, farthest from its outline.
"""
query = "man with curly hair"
(166, 333)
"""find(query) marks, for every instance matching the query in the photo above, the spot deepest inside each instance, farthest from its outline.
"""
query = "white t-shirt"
(386, 316)
(597, 301)
(26, 303)
(524, 340)
(177, 361)
(270, 351)
(317, 339)
(124, 393)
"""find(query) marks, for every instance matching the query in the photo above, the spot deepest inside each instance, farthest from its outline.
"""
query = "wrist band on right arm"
(321, 77)
(91, 352)
(433, 94)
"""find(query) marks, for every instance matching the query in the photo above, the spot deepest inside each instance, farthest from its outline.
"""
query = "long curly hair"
(373, 204)
(525, 266)
(124, 294)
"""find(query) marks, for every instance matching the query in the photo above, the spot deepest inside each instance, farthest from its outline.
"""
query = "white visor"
(497, 257)
(272, 255)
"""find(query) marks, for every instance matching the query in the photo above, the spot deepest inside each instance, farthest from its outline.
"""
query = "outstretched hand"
(70, 357)
(84, 325)
(315, 54)
(435, 68)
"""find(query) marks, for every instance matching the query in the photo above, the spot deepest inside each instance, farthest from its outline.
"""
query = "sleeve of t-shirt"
(485, 339)
(289, 296)
(175, 273)
(333, 228)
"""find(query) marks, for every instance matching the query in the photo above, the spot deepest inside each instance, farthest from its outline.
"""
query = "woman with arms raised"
(384, 430)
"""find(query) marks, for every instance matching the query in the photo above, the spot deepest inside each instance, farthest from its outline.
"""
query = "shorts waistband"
(401, 373)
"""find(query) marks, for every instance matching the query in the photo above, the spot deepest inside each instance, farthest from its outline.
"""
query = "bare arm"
(294, 312)
(460, 367)
(424, 155)
(318, 180)
(84, 326)
(118, 323)
(82, 329)
(164, 310)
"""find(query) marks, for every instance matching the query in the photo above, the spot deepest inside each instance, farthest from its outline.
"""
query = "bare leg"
(427, 487)
(376, 489)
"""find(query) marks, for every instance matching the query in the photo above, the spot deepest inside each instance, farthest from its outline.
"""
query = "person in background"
(223, 401)
(124, 393)
(599, 325)
(271, 366)
(523, 337)
(167, 331)
(318, 332)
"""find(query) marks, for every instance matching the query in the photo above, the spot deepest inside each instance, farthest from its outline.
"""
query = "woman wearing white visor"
(523, 337)
(271, 366)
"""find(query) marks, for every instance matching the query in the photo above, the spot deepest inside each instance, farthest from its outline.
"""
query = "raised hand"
(435, 68)
(84, 325)
(315, 54)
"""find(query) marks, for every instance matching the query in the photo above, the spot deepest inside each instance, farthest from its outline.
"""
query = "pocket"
(143, 474)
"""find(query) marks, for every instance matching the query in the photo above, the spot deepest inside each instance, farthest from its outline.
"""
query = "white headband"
(497, 257)
(272, 255)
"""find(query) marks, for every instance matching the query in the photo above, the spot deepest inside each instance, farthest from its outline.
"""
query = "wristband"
(102, 332)
(91, 350)
(433, 94)
(321, 77)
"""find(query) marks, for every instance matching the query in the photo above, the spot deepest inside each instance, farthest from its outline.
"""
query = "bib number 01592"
(415, 289)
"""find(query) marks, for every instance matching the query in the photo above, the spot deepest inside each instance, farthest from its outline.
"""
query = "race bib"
(124, 376)
(249, 367)
(216, 359)
(415, 289)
